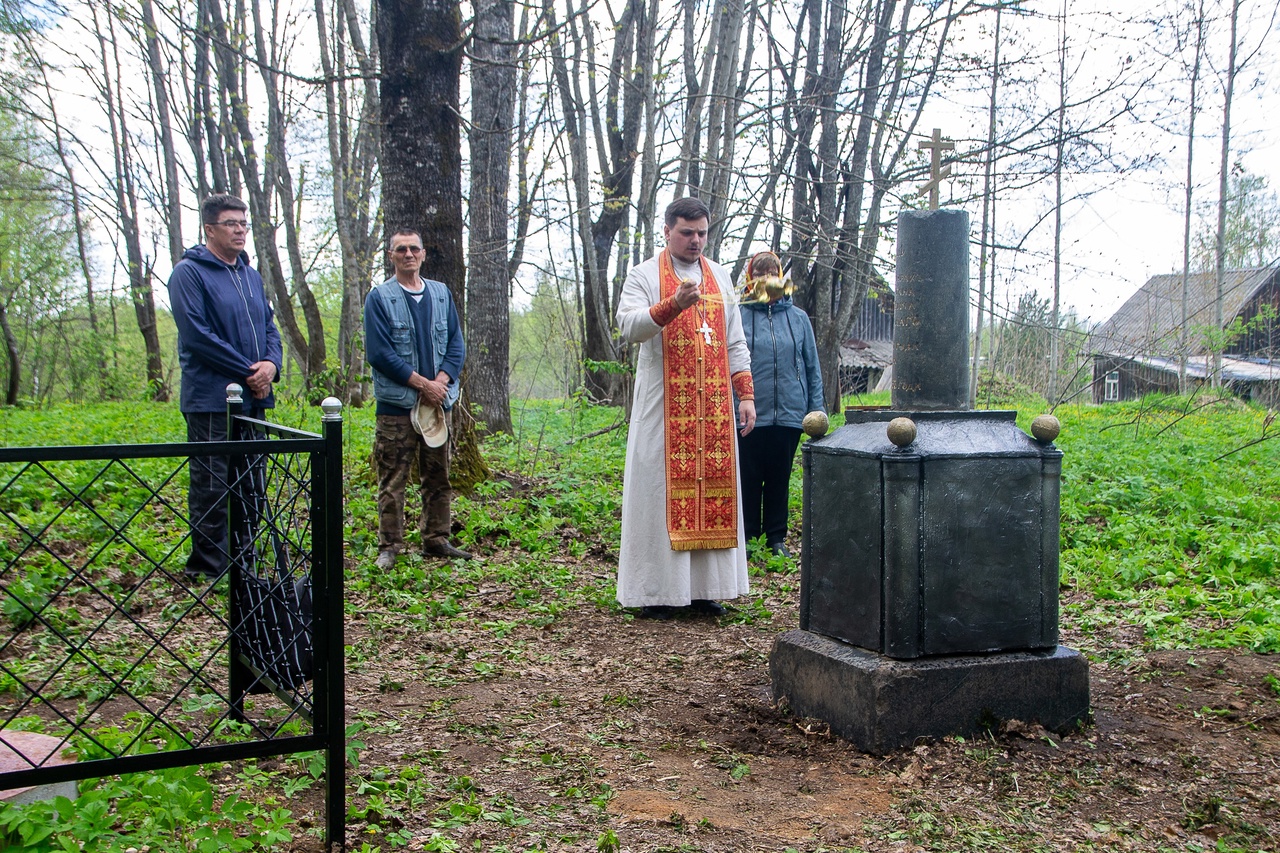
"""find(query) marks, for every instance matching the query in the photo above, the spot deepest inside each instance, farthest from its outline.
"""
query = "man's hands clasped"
(430, 391)
(259, 381)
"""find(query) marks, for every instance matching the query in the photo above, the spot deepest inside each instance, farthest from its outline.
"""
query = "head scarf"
(766, 288)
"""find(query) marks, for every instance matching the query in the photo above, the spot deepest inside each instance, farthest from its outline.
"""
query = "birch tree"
(348, 63)
(1224, 166)
(1197, 38)
(493, 81)
(614, 119)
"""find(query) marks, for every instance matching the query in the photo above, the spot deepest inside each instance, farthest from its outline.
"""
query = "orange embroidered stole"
(702, 483)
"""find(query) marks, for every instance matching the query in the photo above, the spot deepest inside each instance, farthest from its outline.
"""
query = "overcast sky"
(1130, 225)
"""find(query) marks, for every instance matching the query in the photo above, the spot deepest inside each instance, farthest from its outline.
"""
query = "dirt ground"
(677, 720)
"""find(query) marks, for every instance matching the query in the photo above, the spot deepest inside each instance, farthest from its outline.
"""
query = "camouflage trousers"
(395, 447)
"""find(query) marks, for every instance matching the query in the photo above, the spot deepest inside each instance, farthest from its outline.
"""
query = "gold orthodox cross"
(937, 171)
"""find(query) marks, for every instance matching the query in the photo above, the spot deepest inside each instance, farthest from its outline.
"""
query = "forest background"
(1092, 146)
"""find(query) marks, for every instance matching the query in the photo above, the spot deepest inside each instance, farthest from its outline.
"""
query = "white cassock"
(650, 573)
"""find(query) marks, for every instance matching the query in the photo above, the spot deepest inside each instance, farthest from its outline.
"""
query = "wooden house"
(1140, 350)
(868, 351)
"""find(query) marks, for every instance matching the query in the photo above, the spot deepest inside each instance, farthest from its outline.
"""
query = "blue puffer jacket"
(784, 362)
(225, 325)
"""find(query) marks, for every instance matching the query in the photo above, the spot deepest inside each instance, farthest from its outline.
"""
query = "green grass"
(1164, 526)
(1170, 523)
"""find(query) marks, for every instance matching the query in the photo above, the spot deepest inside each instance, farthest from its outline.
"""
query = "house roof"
(1149, 322)
(1201, 366)
(859, 353)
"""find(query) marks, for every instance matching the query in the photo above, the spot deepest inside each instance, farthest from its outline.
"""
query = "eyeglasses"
(407, 250)
(234, 224)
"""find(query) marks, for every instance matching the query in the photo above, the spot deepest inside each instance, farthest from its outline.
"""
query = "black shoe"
(200, 575)
(446, 550)
(702, 605)
(661, 612)
(779, 549)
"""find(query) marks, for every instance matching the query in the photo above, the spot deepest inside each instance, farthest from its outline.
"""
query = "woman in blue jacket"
(788, 385)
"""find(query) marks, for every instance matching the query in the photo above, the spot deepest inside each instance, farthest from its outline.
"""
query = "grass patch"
(1161, 530)
(1170, 523)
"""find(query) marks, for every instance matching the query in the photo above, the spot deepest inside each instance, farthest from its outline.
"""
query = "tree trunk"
(1051, 394)
(126, 208)
(14, 357)
(421, 48)
(724, 98)
(262, 221)
(205, 129)
(97, 341)
(803, 217)
(279, 177)
(630, 75)
(353, 151)
(1183, 331)
(493, 79)
(159, 70)
(1224, 170)
(987, 203)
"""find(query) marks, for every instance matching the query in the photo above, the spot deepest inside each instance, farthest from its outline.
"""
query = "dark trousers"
(212, 479)
(395, 446)
(765, 457)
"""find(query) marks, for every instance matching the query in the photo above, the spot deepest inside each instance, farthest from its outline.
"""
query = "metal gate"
(99, 626)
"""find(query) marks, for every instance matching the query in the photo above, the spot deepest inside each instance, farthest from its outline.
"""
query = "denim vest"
(404, 339)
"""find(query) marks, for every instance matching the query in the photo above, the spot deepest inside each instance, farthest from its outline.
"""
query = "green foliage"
(1023, 344)
(545, 348)
(608, 842)
(1161, 531)
(1160, 528)
(92, 423)
(1252, 224)
(170, 810)
(60, 349)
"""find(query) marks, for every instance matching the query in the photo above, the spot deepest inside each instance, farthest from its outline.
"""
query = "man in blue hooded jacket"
(413, 341)
(226, 333)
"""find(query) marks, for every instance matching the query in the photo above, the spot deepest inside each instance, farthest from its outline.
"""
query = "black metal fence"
(108, 646)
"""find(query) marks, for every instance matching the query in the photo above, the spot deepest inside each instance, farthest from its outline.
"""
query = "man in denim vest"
(414, 344)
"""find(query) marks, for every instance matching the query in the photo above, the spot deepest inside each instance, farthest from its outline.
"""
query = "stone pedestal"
(929, 570)
(948, 546)
(881, 704)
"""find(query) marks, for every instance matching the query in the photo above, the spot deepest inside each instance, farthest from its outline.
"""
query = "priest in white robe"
(682, 531)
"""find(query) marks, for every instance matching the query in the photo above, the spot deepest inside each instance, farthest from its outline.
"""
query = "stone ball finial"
(1045, 428)
(815, 424)
(901, 431)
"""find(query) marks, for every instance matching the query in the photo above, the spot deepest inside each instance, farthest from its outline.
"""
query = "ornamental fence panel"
(127, 665)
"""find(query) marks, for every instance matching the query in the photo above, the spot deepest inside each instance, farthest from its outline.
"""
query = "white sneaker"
(386, 560)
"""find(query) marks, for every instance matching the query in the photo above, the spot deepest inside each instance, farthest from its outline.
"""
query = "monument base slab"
(881, 704)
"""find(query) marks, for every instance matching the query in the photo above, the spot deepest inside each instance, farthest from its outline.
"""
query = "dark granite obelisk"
(929, 569)
(931, 311)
